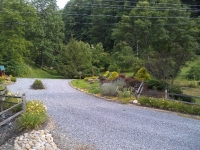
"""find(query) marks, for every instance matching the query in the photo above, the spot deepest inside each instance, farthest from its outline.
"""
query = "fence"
(169, 96)
(165, 95)
(14, 115)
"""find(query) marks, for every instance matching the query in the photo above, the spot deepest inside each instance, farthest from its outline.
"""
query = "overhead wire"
(91, 15)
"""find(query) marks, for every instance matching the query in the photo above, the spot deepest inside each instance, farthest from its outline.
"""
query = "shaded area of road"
(111, 126)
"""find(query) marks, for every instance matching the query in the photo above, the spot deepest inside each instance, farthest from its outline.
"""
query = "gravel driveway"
(108, 125)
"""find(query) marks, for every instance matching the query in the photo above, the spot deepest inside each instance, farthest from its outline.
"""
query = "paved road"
(109, 125)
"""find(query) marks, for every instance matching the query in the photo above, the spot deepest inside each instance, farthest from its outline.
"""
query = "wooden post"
(23, 102)
(2, 98)
(166, 94)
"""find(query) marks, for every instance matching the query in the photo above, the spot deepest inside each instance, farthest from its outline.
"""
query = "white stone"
(135, 101)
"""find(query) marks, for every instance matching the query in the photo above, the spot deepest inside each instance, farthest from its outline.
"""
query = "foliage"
(13, 79)
(124, 92)
(2, 88)
(170, 105)
(142, 74)
(84, 85)
(2, 79)
(165, 48)
(110, 89)
(123, 57)
(14, 45)
(113, 67)
(131, 81)
(193, 73)
(106, 74)
(75, 57)
(48, 34)
(98, 55)
(155, 84)
(34, 116)
(37, 84)
(113, 75)
(13, 100)
(177, 93)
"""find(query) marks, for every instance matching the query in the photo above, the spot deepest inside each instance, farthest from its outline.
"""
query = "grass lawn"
(186, 68)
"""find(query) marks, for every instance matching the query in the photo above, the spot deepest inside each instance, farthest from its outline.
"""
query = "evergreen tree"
(76, 57)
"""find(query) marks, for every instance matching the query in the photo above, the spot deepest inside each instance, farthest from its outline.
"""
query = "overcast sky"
(61, 3)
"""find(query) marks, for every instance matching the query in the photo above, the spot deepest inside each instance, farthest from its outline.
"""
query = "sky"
(61, 3)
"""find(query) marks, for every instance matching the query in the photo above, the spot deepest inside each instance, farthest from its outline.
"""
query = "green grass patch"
(186, 68)
(93, 88)
(170, 105)
(43, 73)
(2, 87)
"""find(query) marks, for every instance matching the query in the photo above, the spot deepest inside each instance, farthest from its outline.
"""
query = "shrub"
(34, 116)
(2, 88)
(177, 94)
(170, 105)
(113, 75)
(37, 84)
(142, 74)
(155, 84)
(193, 73)
(86, 78)
(13, 79)
(122, 76)
(125, 92)
(113, 67)
(12, 100)
(110, 89)
(106, 74)
(131, 81)
(2, 79)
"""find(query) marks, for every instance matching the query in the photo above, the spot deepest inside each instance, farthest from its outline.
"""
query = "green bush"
(170, 105)
(13, 100)
(111, 88)
(37, 84)
(2, 88)
(142, 74)
(34, 116)
(180, 96)
(193, 73)
(114, 67)
(13, 79)
(124, 92)
(113, 75)
(155, 84)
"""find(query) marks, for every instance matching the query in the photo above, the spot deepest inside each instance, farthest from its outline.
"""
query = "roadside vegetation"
(120, 87)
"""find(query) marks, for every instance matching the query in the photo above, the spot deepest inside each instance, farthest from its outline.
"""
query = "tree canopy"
(117, 35)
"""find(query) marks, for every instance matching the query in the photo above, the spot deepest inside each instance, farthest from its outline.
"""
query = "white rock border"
(35, 140)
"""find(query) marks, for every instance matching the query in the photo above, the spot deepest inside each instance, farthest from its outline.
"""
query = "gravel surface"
(111, 126)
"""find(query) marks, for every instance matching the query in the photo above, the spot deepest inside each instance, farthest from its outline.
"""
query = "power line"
(131, 7)
(78, 23)
(112, 16)
(158, 3)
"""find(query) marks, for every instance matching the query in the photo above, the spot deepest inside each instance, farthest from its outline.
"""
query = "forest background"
(98, 35)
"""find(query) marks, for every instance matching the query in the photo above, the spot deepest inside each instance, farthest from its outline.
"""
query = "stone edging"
(35, 140)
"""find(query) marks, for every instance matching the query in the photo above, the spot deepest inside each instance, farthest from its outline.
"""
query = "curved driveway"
(108, 125)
